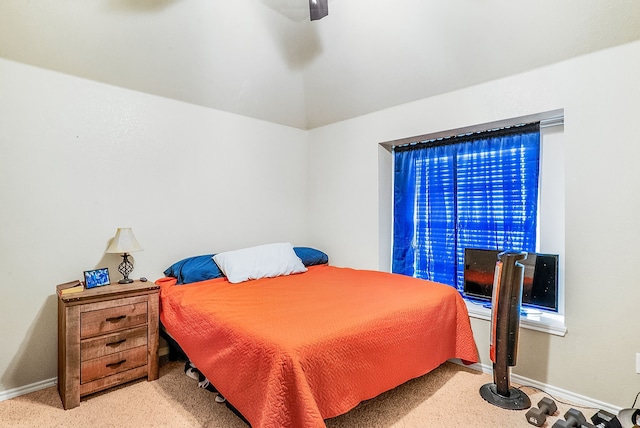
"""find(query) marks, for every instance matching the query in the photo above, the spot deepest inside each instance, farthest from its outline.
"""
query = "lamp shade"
(124, 242)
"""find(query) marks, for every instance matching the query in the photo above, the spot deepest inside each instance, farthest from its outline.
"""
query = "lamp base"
(125, 268)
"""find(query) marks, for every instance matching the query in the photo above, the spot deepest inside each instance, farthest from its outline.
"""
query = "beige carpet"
(446, 397)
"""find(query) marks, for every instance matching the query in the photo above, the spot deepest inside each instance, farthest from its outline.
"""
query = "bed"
(295, 349)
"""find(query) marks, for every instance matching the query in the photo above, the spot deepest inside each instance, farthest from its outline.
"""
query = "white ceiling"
(266, 59)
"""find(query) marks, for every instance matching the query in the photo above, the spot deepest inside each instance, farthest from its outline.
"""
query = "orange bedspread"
(294, 350)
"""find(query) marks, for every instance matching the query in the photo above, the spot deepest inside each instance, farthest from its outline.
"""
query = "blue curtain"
(480, 191)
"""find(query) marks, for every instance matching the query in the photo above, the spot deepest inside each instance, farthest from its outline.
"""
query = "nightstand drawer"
(110, 319)
(112, 364)
(112, 343)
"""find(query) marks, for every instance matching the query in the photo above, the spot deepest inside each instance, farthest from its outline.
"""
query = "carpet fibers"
(446, 397)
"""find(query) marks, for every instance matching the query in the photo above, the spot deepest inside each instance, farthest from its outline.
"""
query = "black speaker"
(318, 9)
(506, 301)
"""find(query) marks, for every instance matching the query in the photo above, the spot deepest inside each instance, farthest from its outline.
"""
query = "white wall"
(79, 159)
(600, 95)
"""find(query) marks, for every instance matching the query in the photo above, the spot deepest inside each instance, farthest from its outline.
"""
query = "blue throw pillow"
(194, 269)
(311, 256)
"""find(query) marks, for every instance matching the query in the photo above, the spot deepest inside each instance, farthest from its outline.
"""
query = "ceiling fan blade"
(318, 9)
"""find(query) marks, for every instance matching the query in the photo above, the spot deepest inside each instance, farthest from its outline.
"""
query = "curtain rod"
(454, 139)
(552, 121)
(546, 119)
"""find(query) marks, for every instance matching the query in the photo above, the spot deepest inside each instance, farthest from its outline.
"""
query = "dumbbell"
(538, 415)
(573, 419)
(604, 419)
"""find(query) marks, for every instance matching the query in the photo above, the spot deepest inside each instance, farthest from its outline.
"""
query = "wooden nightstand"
(106, 336)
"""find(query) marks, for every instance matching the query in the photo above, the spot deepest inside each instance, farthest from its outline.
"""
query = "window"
(551, 206)
(478, 190)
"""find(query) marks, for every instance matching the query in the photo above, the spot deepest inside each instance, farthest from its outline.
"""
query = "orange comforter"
(294, 350)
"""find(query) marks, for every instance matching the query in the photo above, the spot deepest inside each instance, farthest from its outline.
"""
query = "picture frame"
(96, 277)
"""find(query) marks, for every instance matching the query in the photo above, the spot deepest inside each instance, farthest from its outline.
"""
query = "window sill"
(545, 322)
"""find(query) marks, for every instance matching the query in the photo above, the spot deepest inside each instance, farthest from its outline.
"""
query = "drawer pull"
(116, 343)
(113, 365)
(116, 319)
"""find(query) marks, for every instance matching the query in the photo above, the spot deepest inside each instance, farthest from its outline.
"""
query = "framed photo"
(96, 278)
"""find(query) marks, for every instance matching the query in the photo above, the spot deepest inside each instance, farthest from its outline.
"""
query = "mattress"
(294, 350)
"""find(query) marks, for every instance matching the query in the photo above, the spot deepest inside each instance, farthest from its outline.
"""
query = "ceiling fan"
(318, 9)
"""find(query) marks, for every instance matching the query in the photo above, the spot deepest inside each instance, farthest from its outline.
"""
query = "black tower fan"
(505, 324)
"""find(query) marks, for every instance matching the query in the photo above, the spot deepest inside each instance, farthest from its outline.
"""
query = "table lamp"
(124, 243)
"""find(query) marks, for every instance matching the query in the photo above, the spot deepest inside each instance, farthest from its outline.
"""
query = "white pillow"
(263, 261)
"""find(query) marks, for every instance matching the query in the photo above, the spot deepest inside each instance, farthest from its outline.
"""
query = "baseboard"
(22, 390)
(36, 386)
(568, 396)
(557, 393)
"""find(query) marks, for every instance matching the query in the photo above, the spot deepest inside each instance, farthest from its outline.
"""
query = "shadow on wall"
(298, 42)
(37, 358)
(534, 350)
(533, 354)
(112, 261)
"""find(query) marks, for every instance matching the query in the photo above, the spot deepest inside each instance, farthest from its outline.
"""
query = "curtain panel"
(475, 191)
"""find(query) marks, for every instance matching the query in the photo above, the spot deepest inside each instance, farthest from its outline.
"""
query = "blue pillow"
(194, 269)
(311, 256)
